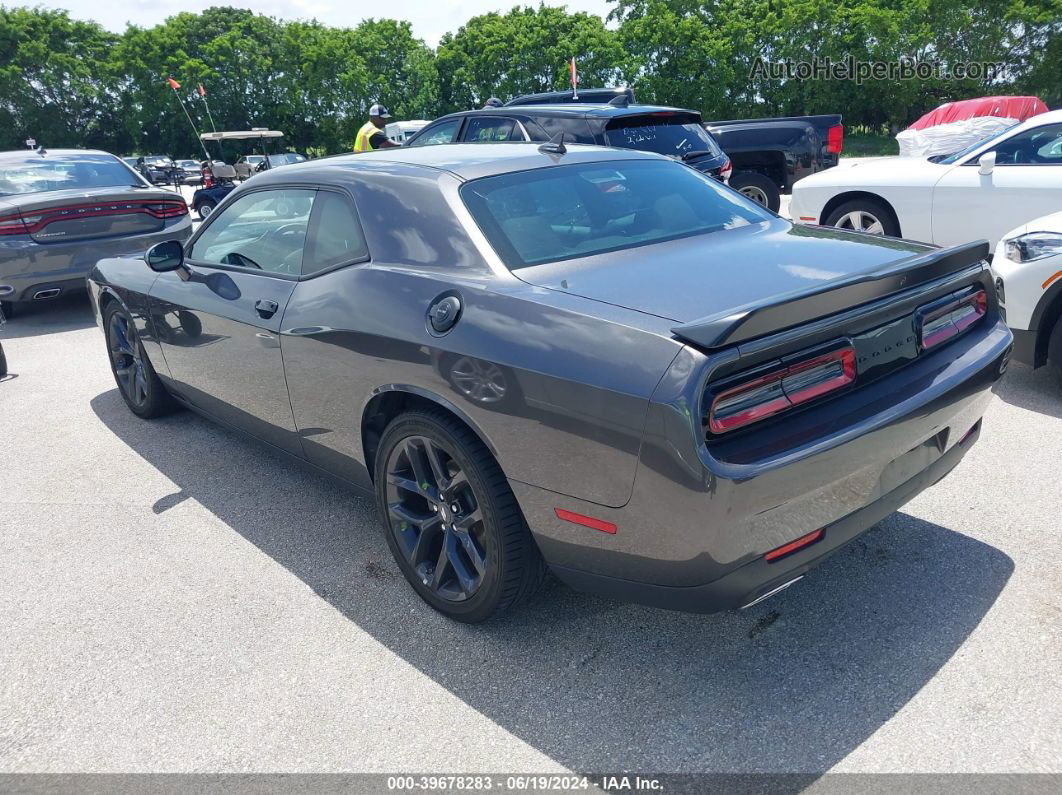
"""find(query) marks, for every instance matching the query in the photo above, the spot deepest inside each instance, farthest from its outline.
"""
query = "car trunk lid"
(701, 281)
(67, 215)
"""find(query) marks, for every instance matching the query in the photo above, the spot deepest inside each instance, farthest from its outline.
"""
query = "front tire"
(757, 187)
(451, 520)
(3, 362)
(865, 215)
(1054, 349)
(137, 381)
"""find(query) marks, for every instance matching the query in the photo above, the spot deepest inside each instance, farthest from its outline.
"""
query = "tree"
(523, 51)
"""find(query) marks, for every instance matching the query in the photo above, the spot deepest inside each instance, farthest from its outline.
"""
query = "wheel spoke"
(403, 483)
(875, 228)
(442, 564)
(438, 470)
(421, 471)
(456, 483)
(403, 513)
(421, 547)
(468, 543)
(469, 520)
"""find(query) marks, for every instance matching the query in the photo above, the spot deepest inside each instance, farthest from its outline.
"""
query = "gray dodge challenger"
(595, 362)
(61, 210)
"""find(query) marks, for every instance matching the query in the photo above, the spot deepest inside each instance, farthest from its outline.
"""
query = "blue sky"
(430, 18)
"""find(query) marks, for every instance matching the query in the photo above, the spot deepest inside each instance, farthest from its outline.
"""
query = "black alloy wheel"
(451, 520)
(137, 382)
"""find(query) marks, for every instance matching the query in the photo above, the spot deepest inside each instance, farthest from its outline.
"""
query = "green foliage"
(525, 51)
(71, 83)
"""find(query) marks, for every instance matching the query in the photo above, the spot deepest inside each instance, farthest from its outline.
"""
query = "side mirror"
(985, 163)
(166, 256)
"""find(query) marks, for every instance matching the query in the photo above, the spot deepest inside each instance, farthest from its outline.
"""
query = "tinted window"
(265, 230)
(336, 236)
(491, 129)
(647, 134)
(33, 173)
(532, 217)
(575, 129)
(442, 133)
(1038, 146)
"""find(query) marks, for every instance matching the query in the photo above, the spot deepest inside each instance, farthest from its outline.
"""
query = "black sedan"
(591, 360)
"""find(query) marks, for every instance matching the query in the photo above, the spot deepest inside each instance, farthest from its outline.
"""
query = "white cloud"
(430, 18)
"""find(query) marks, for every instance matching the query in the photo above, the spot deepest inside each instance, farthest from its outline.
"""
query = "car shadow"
(1037, 390)
(65, 313)
(792, 685)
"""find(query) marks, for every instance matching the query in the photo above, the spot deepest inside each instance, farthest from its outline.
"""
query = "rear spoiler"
(758, 320)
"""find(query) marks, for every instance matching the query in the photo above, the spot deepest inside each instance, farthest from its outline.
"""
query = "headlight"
(1034, 246)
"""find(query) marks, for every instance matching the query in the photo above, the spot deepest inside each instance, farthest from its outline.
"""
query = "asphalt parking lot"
(175, 599)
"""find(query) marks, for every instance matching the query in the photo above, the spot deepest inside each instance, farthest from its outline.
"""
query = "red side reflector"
(808, 218)
(586, 521)
(793, 546)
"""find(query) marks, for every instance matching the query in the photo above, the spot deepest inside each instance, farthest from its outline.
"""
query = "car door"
(1025, 184)
(218, 318)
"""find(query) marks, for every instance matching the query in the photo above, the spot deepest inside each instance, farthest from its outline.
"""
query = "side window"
(491, 129)
(576, 130)
(335, 237)
(265, 231)
(1038, 146)
(442, 133)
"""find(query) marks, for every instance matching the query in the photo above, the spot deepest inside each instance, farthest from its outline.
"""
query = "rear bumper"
(759, 578)
(28, 268)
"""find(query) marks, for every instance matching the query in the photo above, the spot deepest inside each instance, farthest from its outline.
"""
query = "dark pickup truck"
(770, 155)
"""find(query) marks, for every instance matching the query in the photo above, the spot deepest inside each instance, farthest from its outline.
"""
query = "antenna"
(621, 101)
(555, 145)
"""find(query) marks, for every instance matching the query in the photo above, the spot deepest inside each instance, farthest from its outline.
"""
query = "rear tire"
(451, 520)
(757, 187)
(8, 309)
(3, 362)
(137, 381)
(865, 215)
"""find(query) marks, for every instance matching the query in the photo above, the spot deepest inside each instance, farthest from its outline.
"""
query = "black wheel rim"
(436, 519)
(127, 360)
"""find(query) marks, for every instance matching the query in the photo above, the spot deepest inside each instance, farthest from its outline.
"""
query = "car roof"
(22, 154)
(466, 161)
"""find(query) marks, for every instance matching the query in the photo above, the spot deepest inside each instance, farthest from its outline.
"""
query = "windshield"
(664, 137)
(285, 159)
(947, 160)
(255, 159)
(34, 174)
(564, 212)
(158, 160)
(188, 164)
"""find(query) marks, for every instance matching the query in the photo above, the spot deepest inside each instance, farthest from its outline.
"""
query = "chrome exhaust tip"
(42, 295)
(772, 592)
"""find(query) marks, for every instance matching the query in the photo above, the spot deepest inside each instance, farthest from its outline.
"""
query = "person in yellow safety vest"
(371, 136)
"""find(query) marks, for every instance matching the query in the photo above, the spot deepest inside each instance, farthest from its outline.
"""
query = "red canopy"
(1020, 108)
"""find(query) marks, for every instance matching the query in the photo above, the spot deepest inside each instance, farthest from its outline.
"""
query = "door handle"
(266, 308)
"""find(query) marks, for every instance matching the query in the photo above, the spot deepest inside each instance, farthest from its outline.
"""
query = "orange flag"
(202, 91)
(173, 83)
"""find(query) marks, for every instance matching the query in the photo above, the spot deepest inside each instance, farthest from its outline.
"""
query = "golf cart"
(219, 178)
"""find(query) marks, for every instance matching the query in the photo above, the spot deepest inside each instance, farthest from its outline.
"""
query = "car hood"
(683, 280)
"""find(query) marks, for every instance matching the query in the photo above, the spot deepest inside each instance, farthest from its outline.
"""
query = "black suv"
(650, 128)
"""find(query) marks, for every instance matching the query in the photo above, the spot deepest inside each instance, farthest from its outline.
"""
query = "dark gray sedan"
(61, 210)
(594, 361)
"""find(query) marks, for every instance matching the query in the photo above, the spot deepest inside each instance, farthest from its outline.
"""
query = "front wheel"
(1054, 349)
(757, 187)
(451, 520)
(137, 381)
(205, 208)
(865, 215)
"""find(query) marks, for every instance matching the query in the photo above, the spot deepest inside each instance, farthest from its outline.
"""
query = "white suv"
(1028, 269)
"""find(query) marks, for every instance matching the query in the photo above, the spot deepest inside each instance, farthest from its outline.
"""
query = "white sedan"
(1028, 269)
(980, 192)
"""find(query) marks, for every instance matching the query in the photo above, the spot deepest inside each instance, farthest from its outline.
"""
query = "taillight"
(949, 317)
(13, 224)
(835, 139)
(726, 170)
(735, 405)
